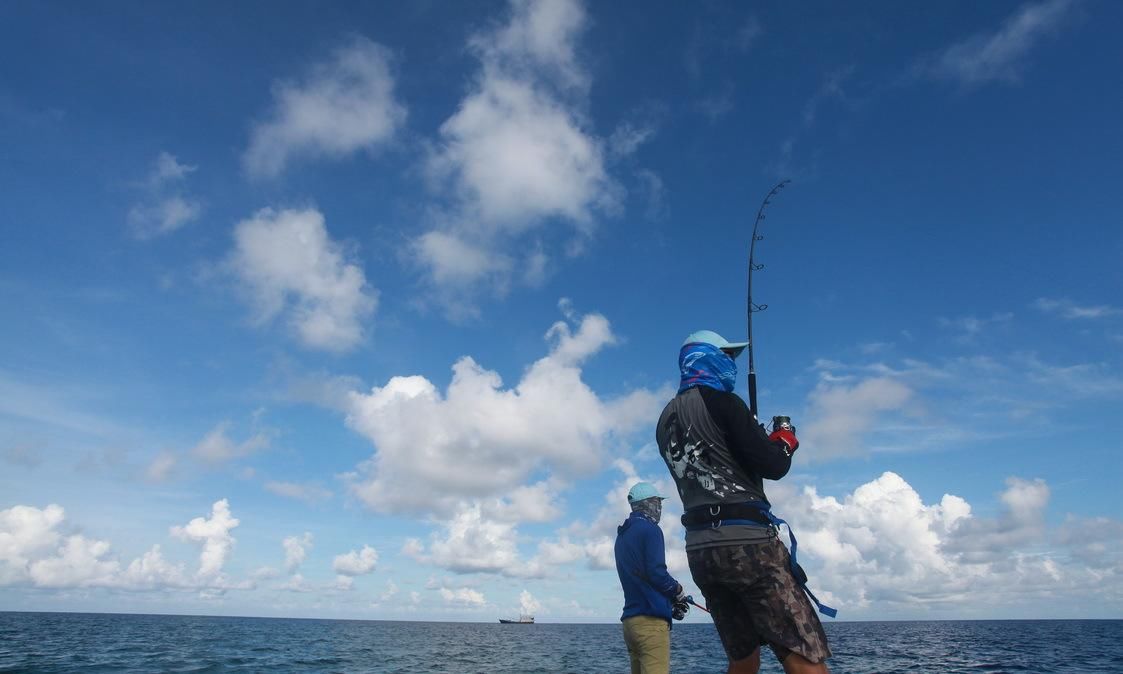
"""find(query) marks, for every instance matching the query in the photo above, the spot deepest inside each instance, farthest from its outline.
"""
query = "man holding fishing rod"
(719, 456)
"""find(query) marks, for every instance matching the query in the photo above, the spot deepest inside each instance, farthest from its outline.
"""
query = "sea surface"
(84, 642)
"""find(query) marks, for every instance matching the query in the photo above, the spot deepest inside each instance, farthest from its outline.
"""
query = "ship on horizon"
(524, 619)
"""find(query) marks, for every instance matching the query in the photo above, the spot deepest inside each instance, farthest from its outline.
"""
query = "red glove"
(787, 437)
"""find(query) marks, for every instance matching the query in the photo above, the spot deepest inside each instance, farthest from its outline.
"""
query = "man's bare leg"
(749, 665)
(797, 664)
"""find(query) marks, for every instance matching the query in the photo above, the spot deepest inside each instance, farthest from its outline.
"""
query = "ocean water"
(80, 642)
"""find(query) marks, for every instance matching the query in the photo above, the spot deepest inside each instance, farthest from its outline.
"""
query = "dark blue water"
(75, 642)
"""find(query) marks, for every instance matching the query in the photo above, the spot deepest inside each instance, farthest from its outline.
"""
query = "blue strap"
(776, 521)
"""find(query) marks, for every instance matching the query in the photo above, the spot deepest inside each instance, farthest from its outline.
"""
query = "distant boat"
(523, 620)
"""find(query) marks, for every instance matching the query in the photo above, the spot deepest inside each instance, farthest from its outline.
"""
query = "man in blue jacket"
(651, 596)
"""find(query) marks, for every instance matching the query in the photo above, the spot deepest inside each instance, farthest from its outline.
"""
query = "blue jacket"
(641, 564)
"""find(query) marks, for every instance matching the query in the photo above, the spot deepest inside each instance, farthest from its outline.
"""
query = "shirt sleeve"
(655, 560)
(746, 438)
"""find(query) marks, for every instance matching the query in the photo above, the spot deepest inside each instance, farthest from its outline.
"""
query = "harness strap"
(753, 513)
(823, 608)
(713, 516)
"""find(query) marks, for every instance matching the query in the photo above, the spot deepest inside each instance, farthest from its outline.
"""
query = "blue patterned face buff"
(706, 365)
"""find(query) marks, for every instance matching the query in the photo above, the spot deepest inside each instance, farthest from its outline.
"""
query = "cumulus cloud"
(36, 549)
(464, 596)
(296, 549)
(1000, 56)
(1022, 521)
(471, 543)
(151, 570)
(517, 153)
(495, 437)
(528, 605)
(882, 545)
(356, 562)
(289, 265)
(339, 107)
(214, 535)
(165, 206)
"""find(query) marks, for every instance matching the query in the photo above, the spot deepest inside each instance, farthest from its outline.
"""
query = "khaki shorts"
(754, 600)
(649, 644)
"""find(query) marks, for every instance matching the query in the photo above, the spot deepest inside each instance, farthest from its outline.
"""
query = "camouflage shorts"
(754, 600)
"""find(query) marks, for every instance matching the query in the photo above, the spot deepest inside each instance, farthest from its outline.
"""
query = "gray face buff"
(652, 508)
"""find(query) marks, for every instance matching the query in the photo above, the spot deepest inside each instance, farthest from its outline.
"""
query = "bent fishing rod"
(752, 307)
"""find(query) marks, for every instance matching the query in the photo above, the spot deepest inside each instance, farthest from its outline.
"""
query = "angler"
(719, 456)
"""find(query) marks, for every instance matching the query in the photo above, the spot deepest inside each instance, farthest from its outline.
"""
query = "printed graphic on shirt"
(690, 459)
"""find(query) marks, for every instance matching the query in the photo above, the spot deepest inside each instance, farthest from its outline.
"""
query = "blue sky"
(368, 311)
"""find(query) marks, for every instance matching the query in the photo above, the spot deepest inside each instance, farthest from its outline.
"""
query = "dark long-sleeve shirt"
(718, 454)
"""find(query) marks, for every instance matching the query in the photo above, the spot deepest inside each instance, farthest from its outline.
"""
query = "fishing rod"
(752, 307)
(690, 600)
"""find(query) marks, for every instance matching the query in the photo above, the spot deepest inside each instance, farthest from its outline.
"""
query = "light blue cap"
(712, 338)
(641, 491)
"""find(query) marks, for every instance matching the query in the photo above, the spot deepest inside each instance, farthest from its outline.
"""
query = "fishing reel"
(781, 422)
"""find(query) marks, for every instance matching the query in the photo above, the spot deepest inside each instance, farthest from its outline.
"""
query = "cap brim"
(734, 349)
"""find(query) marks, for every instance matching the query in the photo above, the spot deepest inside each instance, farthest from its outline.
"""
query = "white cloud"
(629, 136)
(290, 265)
(517, 156)
(451, 259)
(528, 605)
(216, 447)
(35, 550)
(214, 534)
(1081, 379)
(152, 570)
(26, 533)
(1066, 308)
(540, 35)
(309, 493)
(472, 543)
(391, 591)
(78, 562)
(463, 596)
(340, 107)
(1000, 56)
(882, 546)
(165, 206)
(842, 415)
(150, 220)
(517, 153)
(539, 502)
(356, 562)
(496, 437)
(296, 549)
